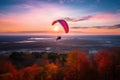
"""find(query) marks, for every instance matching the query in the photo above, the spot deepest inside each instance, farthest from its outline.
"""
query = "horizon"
(54, 34)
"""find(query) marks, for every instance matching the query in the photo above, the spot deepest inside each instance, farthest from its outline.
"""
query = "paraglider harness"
(58, 38)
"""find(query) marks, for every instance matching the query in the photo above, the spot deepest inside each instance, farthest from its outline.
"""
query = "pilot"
(58, 38)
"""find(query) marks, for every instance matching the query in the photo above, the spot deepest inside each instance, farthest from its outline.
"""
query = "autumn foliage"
(75, 65)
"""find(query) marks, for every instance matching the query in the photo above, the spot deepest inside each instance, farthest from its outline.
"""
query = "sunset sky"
(82, 16)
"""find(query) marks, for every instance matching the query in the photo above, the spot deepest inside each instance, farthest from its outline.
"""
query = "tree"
(50, 71)
(104, 64)
(78, 66)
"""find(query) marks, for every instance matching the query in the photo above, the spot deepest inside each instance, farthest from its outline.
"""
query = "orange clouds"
(36, 18)
(106, 17)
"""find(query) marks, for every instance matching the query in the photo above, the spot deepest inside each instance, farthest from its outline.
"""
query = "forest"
(74, 65)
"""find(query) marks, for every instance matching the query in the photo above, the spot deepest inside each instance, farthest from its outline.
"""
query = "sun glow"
(56, 28)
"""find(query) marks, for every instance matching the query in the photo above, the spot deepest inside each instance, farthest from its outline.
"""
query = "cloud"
(80, 27)
(116, 26)
(100, 19)
(38, 16)
(77, 19)
(32, 17)
(69, 1)
(96, 18)
(34, 32)
(105, 17)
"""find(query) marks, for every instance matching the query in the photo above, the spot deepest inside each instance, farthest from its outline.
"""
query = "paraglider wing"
(63, 23)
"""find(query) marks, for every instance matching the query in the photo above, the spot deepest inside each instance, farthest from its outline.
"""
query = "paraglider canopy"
(63, 24)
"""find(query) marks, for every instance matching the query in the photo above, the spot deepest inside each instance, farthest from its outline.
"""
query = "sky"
(82, 16)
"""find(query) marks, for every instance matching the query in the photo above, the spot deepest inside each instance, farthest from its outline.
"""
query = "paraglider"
(63, 24)
(58, 38)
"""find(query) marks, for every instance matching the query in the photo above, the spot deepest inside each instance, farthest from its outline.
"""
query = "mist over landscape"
(41, 43)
